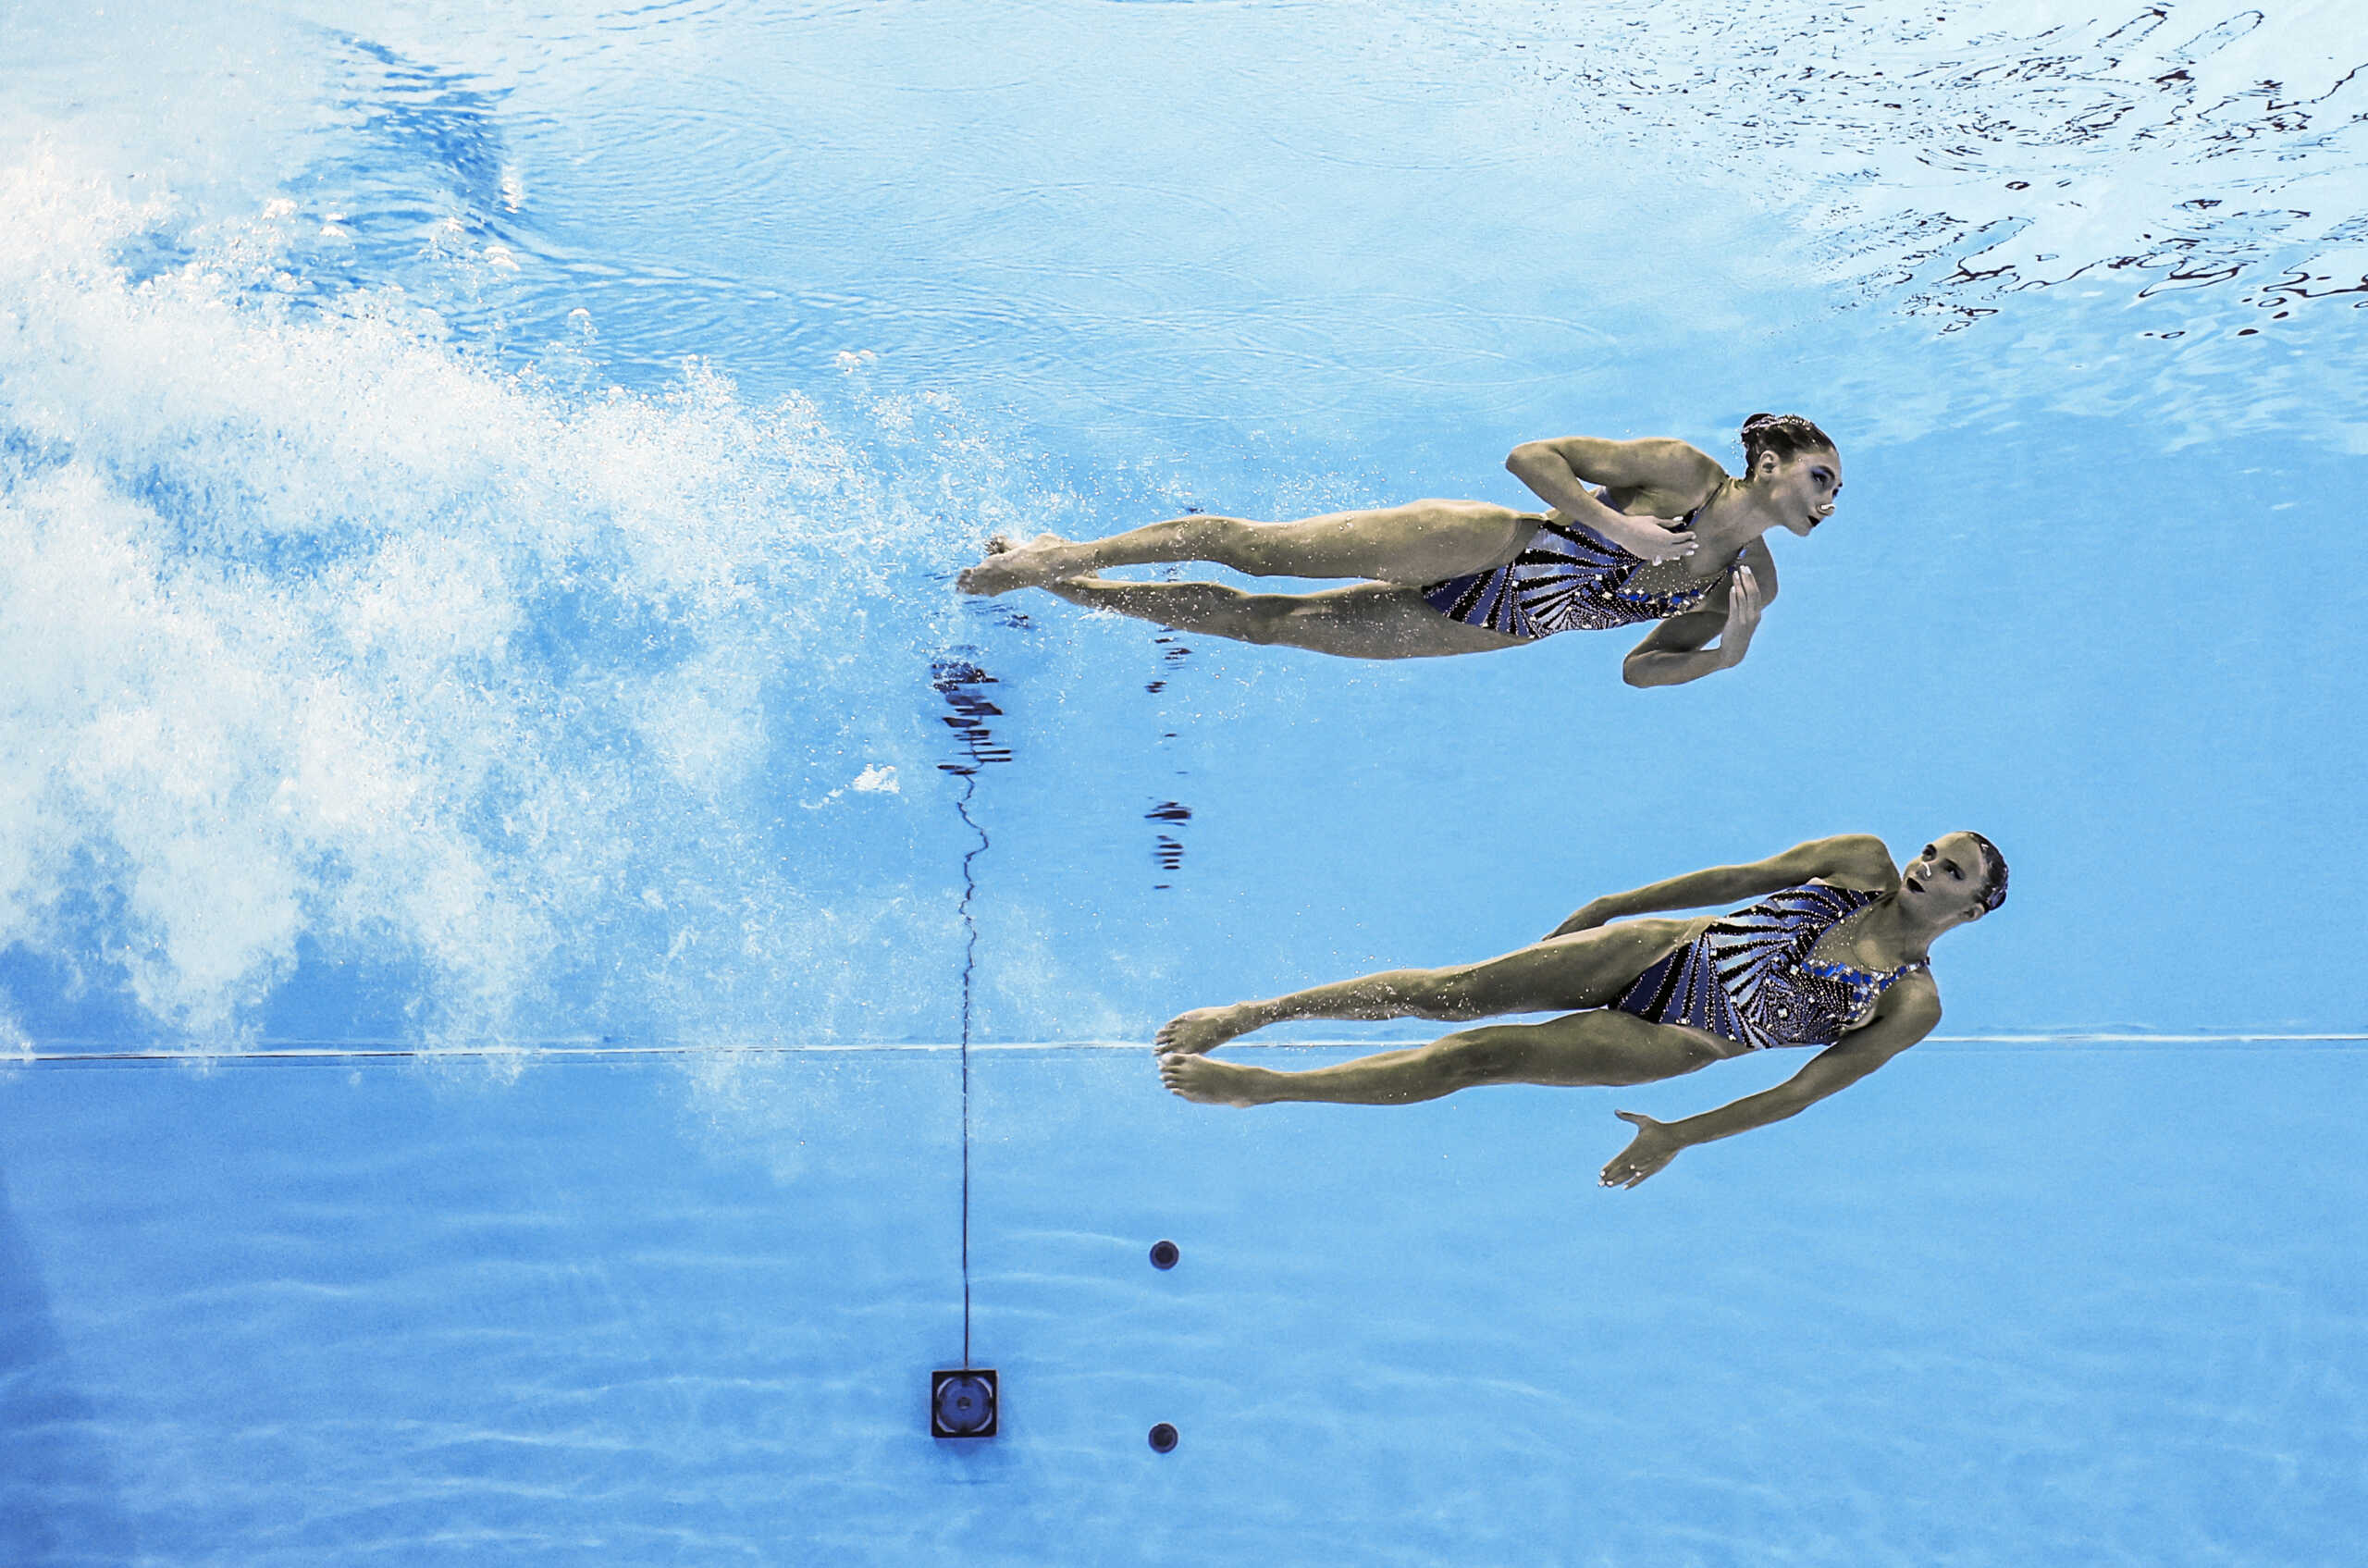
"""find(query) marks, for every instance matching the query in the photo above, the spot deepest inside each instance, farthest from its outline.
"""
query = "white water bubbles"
(328, 637)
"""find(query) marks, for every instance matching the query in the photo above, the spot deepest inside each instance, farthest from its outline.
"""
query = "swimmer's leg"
(1361, 621)
(1422, 541)
(1586, 968)
(1590, 1048)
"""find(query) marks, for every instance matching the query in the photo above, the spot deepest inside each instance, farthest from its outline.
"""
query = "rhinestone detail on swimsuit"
(1748, 977)
(1565, 580)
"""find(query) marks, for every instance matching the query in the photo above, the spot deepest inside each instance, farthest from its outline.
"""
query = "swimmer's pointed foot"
(1210, 1083)
(1009, 566)
(1202, 1029)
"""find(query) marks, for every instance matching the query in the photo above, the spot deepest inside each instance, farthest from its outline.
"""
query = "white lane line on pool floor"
(92, 1052)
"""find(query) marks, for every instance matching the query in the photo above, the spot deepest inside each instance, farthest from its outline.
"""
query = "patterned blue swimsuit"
(1750, 978)
(1566, 580)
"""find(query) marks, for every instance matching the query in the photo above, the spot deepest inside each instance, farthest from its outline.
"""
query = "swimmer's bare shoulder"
(1655, 469)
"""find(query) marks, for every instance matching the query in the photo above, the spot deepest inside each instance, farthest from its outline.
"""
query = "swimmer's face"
(1948, 881)
(1802, 489)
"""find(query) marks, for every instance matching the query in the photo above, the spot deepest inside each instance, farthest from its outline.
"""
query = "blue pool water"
(508, 827)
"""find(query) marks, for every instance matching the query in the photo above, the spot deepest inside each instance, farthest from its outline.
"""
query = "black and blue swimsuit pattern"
(1565, 580)
(1748, 977)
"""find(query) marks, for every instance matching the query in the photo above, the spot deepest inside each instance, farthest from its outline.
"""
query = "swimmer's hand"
(1743, 604)
(1648, 539)
(1655, 1145)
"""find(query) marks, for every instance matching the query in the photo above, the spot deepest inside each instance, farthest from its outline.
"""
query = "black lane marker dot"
(1164, 1254)
(1163, 1439)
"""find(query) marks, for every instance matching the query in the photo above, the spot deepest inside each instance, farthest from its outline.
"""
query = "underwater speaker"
(962, 1402)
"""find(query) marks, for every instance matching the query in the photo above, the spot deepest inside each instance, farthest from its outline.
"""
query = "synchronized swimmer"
(1833, 950)
(1667, 536)
(1833, 953)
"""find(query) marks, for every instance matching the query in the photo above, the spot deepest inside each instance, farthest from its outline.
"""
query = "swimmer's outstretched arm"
(1854, 859)
(1560, 471)
(1906, 1014)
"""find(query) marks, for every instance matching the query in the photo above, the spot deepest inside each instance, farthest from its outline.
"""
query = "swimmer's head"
(1960, 877)
(1786, 435)
(1795, 467)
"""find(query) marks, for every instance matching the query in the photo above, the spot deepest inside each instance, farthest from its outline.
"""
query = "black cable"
(956, 680)
(969, 962)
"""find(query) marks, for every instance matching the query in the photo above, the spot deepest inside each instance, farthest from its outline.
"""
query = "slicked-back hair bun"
(1786, 435)
(1995, 865)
